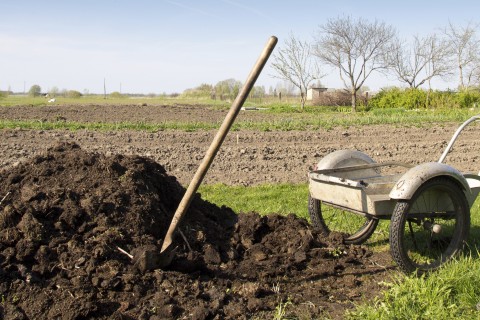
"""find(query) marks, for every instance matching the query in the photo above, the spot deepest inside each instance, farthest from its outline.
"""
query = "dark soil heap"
(69, 220)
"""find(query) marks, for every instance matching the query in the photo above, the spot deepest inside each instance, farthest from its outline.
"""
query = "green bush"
(442, 100)
(116, 95)
(203, 91)
(414, 99)
(420, 99)
(34, 91)
(468, 99)
(73, 94)
(386, 99)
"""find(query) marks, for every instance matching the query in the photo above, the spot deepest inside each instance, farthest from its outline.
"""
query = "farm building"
(314, 93)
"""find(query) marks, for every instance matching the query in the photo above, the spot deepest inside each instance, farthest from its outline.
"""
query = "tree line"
(223, 90)
(35, 91)
(357, 48)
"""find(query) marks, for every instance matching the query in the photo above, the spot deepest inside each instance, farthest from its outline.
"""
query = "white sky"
(171, 45)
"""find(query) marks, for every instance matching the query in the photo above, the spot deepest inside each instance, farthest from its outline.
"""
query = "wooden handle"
(217, 141)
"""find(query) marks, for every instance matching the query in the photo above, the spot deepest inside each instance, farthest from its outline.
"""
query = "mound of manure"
(70, 222)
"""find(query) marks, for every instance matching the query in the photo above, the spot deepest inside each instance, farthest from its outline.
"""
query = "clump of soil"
(69, 221)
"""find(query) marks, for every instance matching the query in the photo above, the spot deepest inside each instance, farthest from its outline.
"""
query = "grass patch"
(264, 199)
(278, 122)
(453, 292)
(106, 126)
(19, 100)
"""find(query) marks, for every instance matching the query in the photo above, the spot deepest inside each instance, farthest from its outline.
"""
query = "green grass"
(263, 199)
(16, 100)
(106, 126)
(453, 292)
(278, 122)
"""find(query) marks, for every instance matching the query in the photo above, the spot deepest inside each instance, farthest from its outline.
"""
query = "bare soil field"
(246, 157)
(139, 113)
(73, 201)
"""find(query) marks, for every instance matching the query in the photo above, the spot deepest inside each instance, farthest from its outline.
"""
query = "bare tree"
(356, 47)
(286, 88)
(465, 48)
(53, 91)
(294, 63)
(426, 59)
(474, 75)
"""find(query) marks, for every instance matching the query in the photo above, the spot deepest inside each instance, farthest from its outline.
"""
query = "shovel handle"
(217, 142)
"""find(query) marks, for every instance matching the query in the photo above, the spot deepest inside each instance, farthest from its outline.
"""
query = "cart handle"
(455, 136)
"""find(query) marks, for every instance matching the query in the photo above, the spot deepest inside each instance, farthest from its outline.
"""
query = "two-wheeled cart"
(428, 204)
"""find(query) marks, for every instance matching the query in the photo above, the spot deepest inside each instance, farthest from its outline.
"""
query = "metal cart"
(428, 204)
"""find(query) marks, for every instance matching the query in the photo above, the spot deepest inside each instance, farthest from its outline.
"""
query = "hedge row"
(420, 99)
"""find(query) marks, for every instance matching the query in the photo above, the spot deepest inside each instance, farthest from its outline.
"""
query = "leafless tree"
(425, 59)
(285, 88)
(356, 47)
(465, 48)
(294, 63)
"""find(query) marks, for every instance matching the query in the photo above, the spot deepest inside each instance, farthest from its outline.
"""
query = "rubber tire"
(398, 222)
(318, 222)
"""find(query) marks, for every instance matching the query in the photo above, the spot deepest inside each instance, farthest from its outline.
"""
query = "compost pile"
(70, 222)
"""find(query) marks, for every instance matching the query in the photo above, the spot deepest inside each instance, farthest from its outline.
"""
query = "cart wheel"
(430, 228)
(356, 228)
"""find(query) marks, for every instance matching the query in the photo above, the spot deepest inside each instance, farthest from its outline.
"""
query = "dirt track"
(63, 212)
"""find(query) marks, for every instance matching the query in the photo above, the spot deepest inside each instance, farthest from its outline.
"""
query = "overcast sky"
(171, 45)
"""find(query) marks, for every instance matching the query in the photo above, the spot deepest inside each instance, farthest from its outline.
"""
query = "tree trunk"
(427, 103)
(354, 100)
(462, 86)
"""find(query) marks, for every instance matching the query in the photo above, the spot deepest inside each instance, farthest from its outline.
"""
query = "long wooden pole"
(217, 141)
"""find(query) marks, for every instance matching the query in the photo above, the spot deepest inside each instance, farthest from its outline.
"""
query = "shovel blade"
(148, 258)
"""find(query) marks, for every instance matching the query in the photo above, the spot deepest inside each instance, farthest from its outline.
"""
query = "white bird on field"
(51, 100)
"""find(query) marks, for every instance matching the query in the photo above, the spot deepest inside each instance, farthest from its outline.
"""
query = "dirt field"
(70, 200)
(246, 157)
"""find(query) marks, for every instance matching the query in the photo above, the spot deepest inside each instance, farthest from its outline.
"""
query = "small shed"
(314, 93)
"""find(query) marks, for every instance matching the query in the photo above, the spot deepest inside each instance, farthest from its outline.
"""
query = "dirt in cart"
(71, 220)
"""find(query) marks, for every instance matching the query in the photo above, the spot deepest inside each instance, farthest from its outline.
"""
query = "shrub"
(35, 91)
(203, 91)
(418, 99)
(443, 100)
(467, 99)
(73, 94)
(334, 98)
(414, 99)
(116, 95)
(386, 99)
